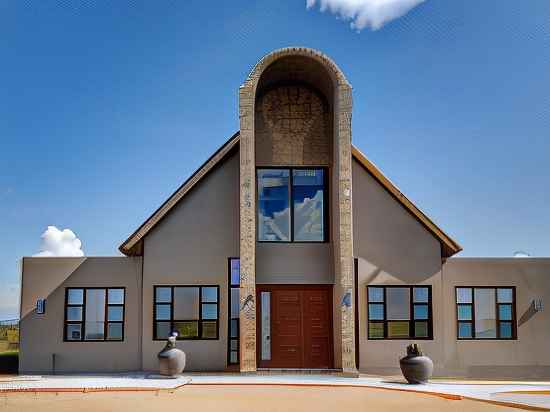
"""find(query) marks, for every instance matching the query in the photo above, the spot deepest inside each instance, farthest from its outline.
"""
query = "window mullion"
(199, 328)
(291, 202)
(473, 313)
(411, 313)
(385, 315)
(83, 332)
(106, 314)
(172, 291)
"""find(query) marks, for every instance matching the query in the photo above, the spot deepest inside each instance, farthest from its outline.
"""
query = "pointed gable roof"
(133, 246)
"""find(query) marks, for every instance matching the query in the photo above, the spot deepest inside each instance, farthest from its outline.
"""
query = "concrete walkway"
(519, 394)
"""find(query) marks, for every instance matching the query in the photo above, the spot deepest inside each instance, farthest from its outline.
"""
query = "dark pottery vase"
(171, 359)
(416, 367)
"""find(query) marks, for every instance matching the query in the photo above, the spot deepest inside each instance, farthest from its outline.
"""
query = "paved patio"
(519, 394)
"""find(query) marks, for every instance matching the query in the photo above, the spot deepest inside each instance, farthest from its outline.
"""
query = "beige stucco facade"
(191, 246)
(295, 110)
(41, 336)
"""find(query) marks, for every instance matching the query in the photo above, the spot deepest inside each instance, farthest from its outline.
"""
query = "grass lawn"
(9, 361)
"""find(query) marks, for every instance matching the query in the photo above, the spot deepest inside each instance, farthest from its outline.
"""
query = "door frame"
(269, 287)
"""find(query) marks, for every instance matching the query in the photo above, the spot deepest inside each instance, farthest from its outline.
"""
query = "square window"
(376, 330)
(74, 313)
(464, 312)
(234, 357)
(398, 329)
(163, 295)
(421, 312)
(421, 329)
(399, 312)
(163, 330)
(186, 303)
(187, 330)
(464, 330)
(464, 295)
(162, 312)
(376, 294)
(209, 294)
(505, 295)
(398, 303)
(115, 313)
(376, 311)
(420, 295)
(75, 296)
(506, 330)
(234, 345)
(505, 312)
(114, 331)
(234, 328)
(74, 331)
(209, 329)
(209, 311)
(115, 296)
(87, 310)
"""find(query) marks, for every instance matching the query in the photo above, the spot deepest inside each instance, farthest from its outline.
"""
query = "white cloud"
(57, 242)
(366, 13)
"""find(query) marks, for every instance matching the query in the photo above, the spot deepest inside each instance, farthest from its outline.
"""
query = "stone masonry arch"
(315, 68)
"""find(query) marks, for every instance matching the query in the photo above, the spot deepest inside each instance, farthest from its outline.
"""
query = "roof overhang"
(133, 246)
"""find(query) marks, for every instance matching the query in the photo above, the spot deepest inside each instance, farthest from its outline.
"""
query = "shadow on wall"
(528, 314)
(371, 273)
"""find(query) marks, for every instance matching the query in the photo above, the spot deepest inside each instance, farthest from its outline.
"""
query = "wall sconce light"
(538, 305)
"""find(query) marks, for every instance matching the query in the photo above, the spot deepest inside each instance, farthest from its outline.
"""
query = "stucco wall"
(190, 246)
(294, 263)
(526, 357)
(42, 335)
(393, 248)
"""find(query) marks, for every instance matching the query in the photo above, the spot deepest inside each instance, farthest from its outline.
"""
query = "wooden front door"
(297, 331)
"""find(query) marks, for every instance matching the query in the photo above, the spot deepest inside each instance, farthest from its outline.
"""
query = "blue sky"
(106, 108)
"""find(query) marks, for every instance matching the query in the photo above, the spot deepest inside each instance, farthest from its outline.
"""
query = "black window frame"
(82, 322)
(230, 305)
(326, 215)
(385, 321)
(200, 320)
(472, 321)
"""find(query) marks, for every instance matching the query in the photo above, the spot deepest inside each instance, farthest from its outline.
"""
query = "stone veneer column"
(247, 314)
(345, 236)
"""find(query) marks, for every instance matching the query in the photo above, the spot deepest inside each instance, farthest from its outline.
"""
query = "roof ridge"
(131, 246)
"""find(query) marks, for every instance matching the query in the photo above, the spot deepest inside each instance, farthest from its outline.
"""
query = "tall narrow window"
(485, 312)
(94, 314)
(308, 196)
(292, 205)
(273, 205)
(191, 311)
(234, 288)
(399, 312)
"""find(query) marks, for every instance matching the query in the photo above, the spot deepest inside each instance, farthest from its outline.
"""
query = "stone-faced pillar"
(247, 314)
(344, 265)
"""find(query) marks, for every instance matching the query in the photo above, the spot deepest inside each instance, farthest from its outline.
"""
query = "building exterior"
(288, 248)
